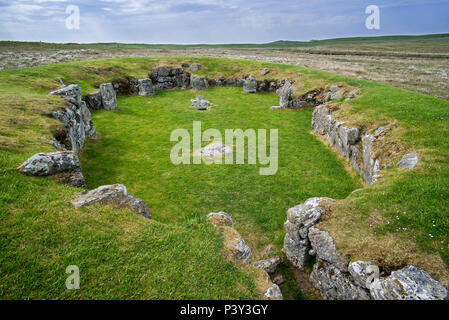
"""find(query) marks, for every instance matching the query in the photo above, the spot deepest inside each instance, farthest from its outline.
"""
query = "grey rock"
(270, 265)
(321, 120)
(115, 194)
(93, 100)
(199, 83)
(265, 72)
(334, 284)
(307, 214)
(72, 93)
(278, 279)
(215, 149)
(243, 252)
(108, 96)
(296, 250)
(371, 167)
(223, 216)
(274, 293)
(345, 139)
(250, 85)
(275, 108)
(285, 94)
(325, 249)
(145, 87)
(200, 103)
(357, 162)
(409, 161)
(409, 283)
(160, 72)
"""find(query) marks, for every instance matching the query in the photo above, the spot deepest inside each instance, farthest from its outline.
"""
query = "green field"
(177, 254)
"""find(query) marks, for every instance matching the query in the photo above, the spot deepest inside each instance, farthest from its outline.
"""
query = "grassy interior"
(403, 219)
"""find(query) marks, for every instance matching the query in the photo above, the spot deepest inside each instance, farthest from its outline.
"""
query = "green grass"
(177, 255)
(134, 146)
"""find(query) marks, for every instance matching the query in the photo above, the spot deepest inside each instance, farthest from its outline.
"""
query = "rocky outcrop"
(270, 265)
(250, 85)
(338, 280)
(199, 83)
(299, 220)
(200, 103)
(108, 96)
(55, 163)
(114, 194)
(76, 118)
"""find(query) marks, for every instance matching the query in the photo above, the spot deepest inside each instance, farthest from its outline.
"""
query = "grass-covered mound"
(402, 219)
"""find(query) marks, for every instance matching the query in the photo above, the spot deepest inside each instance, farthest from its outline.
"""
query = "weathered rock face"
(371, 167)
(274, 293)
(145, 87)
(299, 220)
(250, 85)
(48, 164)
(346, 140)
(270, 265)
(76, 118)
(93, 100)
(409, 161)
(108, 96)
(199, 83)
(195, 67)
(220, 219)
(127, 86)
(169, 78)
(115, 194)
(409, 283)
(324, 247)
(337, 280)
(242, 252)
(335, 284)
(200, 103)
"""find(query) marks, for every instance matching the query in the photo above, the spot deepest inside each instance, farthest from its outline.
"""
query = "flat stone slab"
(216, 149)
(409, 161)
(115, 194)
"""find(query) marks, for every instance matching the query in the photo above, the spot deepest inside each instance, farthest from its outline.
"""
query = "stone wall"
(338, 279)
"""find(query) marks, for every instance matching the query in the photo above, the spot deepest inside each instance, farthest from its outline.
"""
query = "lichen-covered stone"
(200, 103)
(285, 94)
(250, 85)
(145, 87)
(93, 100)
(72, 93)
(220, 219)
(199, 83)
(108, 96)
(242, 251)
(274, 293)
(409, 161)
(115, 194)
(371, 167)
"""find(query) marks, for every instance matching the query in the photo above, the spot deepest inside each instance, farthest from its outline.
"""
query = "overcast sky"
(215, 21)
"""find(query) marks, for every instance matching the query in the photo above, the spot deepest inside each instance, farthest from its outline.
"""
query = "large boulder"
(108, 96)
(250, 85)
(199, 83)
(115, 194)
(55, 163)
(145, 87)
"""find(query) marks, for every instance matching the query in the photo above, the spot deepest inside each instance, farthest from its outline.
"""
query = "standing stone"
(371, 165)
(285, 94)
(145, 87)
(250, 85)
(199, 83)
(108, 96)
(325, 249)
